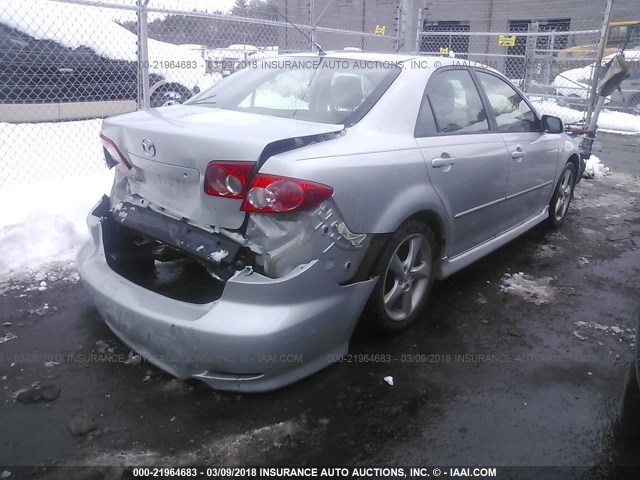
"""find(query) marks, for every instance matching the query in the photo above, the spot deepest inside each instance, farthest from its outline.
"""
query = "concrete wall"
(48, 112)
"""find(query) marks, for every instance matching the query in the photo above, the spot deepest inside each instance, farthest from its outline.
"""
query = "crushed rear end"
(193, 265)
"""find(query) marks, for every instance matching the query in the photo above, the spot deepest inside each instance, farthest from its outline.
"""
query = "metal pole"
(419, 28)
(364, 23)
(326, 7)
(604, 33)
(144, 101)
(405, 25)
(312, 7)
(529, 55)
(548, 61)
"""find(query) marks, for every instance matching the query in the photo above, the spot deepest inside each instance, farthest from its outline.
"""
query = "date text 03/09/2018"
(309, 472)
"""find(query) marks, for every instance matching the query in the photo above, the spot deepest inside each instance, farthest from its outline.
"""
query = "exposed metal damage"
(272, 245)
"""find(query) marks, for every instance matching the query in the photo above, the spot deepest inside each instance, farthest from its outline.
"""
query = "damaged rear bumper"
(261, 334)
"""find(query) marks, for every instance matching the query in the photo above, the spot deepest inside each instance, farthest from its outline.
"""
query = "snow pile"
(46, 221)
(76, 26)
(595, 168)
(575, 82)
(614, 329)
(610, 121)
(619, 122)
(537, 291)
(546, 106)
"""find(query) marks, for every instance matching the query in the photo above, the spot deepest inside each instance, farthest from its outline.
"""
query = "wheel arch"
(574, 158)
(429, 217)
(436, 224)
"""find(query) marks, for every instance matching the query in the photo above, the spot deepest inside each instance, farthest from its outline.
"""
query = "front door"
(533, 155)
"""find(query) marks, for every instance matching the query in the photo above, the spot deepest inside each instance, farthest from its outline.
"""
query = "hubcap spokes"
(407, 277)
(564, 195)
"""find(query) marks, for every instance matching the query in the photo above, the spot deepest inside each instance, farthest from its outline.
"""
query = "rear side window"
(426, 124)
(456, 103)
(511, 111)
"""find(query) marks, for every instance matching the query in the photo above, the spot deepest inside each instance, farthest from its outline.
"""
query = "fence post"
(529, 55)
(144, 101)
(604, 32)
(419, 28)
(406, 21)
(312, 23)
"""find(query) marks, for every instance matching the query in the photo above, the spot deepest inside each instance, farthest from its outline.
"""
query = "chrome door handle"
(518, 153)
(442, 162)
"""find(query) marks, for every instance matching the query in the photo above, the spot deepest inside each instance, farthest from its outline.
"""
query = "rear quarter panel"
(375, 168)
(378, 180)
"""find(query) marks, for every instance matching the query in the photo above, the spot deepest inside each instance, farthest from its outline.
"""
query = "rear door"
(466, 162)
(533, 155)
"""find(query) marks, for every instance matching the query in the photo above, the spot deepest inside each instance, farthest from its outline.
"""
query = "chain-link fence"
(65, 64)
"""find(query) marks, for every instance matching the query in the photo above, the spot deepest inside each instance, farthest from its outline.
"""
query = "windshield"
(324, 90)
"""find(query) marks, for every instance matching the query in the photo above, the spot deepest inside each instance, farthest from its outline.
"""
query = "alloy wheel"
(406, 279)
(564, 195)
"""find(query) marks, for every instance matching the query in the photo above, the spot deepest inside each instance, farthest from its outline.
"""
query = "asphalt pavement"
(518, 360)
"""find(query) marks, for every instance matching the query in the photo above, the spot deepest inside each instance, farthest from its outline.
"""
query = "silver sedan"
(249, 229)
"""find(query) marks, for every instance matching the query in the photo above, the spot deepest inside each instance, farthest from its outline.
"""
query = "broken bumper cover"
(260, 335)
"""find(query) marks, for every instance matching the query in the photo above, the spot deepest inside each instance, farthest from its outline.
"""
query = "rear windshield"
(324, 90)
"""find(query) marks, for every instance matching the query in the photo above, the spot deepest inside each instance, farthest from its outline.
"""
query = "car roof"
(350, 54)
(387, 57)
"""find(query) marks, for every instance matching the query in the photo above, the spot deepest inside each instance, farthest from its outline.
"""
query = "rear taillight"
(271, 194)
(112, 154)
(227, 179)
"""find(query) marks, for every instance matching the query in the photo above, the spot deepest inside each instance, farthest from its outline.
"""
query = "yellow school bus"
(619, 33)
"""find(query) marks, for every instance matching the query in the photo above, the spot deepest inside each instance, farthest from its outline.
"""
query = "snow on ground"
(51, 176)
(595, 168)
(610, 121)
(575, 82)
(46, 221)
(619, 122)
(534, 290)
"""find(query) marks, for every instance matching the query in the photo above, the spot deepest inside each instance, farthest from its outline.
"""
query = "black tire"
(562, 195)
(168, 95)
(411, 279)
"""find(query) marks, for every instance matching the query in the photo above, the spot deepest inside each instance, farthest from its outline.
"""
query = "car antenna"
(321, 52)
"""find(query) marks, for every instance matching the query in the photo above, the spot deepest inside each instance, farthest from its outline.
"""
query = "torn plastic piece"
(354, 238)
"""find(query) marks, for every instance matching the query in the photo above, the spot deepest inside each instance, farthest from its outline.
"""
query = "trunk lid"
(171, 147)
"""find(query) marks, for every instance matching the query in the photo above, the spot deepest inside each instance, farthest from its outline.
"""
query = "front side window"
(456, 104)
(511, 111)
(337, 91)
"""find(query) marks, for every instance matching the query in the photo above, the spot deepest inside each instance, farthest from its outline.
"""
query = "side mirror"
(551, 124)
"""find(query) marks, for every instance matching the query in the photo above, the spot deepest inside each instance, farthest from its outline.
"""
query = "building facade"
(377, 16)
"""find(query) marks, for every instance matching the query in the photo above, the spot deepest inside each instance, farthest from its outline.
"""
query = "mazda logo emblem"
(148, 147)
